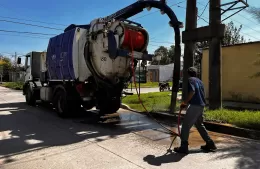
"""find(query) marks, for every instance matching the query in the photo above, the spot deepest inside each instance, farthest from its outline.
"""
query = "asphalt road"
(34, 137)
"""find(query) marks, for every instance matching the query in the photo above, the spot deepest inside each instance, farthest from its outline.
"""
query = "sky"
(58, 14)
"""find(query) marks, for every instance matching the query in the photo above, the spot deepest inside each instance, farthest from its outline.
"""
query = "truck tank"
(65, 55)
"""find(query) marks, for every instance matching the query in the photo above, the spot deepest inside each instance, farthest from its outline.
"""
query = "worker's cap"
(192, 71)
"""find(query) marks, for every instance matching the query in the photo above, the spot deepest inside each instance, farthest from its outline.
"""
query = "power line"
(245, 33)
(157, 10)
(32, 21)
(204, 10)
(12, 54)
(202, 19)
(237, 22)
(37, 37)
(249, 19)
(198, 16)
(22, 23)
(27, 32)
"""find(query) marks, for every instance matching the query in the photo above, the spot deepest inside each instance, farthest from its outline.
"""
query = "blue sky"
(65, 12)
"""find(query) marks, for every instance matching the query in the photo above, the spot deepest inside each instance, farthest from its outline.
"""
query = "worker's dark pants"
(194, 116)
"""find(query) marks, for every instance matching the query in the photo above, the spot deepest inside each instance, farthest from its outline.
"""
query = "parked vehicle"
(164, 86)
(85, 67)
(88, 65)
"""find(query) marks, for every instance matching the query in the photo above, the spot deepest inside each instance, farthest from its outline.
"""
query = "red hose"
(179, 122)
(179, 115)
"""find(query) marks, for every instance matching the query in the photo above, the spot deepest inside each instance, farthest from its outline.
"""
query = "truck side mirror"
(19, 60)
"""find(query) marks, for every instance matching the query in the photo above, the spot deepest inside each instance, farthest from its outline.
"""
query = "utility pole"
(213, 33)
(191, 23)
(215, 92)
(15, 57)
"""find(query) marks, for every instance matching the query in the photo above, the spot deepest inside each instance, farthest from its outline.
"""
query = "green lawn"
(154, 102)
(244, 119)
(147, 85)
(13, 85)
(160, 102)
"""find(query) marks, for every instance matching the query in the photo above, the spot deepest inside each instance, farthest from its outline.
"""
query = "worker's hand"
(183, 105)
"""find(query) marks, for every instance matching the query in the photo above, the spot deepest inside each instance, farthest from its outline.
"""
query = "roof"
(239, 44)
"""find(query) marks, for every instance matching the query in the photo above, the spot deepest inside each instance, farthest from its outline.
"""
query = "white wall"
(166, 72)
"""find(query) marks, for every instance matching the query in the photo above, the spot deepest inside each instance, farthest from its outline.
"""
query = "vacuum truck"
(88, 65)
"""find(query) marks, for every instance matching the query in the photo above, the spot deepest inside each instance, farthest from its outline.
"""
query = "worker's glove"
(183, 105)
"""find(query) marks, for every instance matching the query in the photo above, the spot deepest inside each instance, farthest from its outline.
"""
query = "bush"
(13, 85)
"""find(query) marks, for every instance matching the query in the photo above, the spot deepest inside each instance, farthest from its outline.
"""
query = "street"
(143, 90)
(34, 137)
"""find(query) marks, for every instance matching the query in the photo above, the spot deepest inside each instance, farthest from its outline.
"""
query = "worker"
(195, 104)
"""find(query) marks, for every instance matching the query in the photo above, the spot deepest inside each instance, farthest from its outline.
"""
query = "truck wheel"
(65, 103)
(88, 105)
(61, 104)
(29, 97)
(109, 107)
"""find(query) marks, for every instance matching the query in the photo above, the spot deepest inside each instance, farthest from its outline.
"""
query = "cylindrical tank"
(65, 56)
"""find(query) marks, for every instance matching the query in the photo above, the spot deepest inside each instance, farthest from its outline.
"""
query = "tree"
(167, 55)
(171, 53)
(5, 67)
(231, 37)
(255, 12)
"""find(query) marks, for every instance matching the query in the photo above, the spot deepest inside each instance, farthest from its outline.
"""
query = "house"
(160, 73)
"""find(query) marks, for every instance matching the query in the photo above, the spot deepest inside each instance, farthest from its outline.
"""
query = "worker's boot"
(184, 148)
(210, 145)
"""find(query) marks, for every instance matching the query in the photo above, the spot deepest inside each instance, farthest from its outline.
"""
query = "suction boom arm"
(138, 7)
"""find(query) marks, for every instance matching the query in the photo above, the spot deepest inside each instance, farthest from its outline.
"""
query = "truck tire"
(88, 105)
(61, 103)
(29, 96)
(65, 106)
(109, 106)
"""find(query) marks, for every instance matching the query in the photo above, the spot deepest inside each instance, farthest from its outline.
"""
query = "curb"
(211, 126)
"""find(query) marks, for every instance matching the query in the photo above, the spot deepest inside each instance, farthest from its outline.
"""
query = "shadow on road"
(27, 129)
(167, 158)
(171, 157)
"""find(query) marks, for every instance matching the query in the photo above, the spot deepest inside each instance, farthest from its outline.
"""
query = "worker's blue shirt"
(197, 86)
